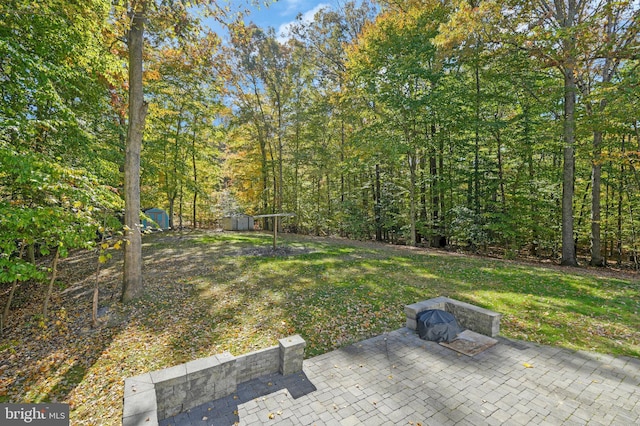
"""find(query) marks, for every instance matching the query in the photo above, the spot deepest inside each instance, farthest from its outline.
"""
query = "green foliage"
(47, 205)
(469, 228)
(444, 122)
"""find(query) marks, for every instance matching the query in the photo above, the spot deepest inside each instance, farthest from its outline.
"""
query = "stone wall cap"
(141, 402)
(294, 340)
(201, 364)
(170, 373)
(137, 384)
(225, 357)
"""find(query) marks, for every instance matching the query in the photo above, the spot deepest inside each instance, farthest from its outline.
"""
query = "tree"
(616, 31)
(403, 94)
(167, 18)
(132, 285)
(55, 116)
(183, 92)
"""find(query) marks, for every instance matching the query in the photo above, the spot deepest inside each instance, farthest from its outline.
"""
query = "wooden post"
(275, 217)
(275, 231)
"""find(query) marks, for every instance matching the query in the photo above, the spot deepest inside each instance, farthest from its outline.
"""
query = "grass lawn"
(211, 292)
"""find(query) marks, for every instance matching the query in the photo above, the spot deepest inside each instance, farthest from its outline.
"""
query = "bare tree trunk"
(606, 220)
(279, 187)
(596, 171)
(565, 13)
(132, 285)
(568, 244)
(378, 205)
(54, 273)
(31, 253)
(14, 285)
(620, 197)
(476, 139)
(172, 207)
(195, 174)
(608, 71)
(411, 157)
(296, 174)
(180, 205)
(422, 167)
(634, 252)
(96, 293)
(503, 197)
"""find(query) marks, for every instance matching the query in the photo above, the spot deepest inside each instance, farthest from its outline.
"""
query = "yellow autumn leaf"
(104, 246)
(117, 245)
(102, 258)
(527, 365)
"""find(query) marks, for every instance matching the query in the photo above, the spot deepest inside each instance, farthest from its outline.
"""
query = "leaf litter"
(206, 293)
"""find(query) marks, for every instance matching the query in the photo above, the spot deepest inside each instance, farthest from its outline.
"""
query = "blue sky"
(280, 13)
(283, 12)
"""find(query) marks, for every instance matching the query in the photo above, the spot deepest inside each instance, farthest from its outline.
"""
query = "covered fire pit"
(469, 329)
(437, 325)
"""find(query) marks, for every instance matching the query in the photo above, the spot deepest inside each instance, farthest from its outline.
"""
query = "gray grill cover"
(437, 325)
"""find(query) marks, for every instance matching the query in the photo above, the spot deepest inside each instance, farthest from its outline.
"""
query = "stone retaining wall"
(159, 394)
(468, 316)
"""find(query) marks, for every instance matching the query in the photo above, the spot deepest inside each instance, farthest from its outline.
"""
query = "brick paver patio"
(398, 379)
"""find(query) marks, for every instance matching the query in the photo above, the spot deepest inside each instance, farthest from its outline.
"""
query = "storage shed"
(159, 216)
(240, 222)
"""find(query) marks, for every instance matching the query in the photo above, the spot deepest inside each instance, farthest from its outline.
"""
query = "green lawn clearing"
(212, 292)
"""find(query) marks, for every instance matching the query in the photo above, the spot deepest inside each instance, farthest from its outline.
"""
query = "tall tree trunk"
(596, 171)
(261, 131)
(329, 206)
(503, 197)
(442, 219)
(342, 138)
(274, 177)
(437, 207)
(14, 285)
(195, 175)
(422, 166)
(132, 285)
(96, 288)
(180, 205)
(526, 130)
(620, 193)
(31, 253)
(607, 204)
(634, 252)
(568, 44)
(411, 157)
(172, 208)
(378, 206)
(476, 148)
(54, 273)
(296, 174)
(280, 187)
(176, 187)
(608, 70)
(568, 244)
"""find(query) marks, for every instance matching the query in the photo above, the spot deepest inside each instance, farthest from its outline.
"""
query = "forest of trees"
(485, 125)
